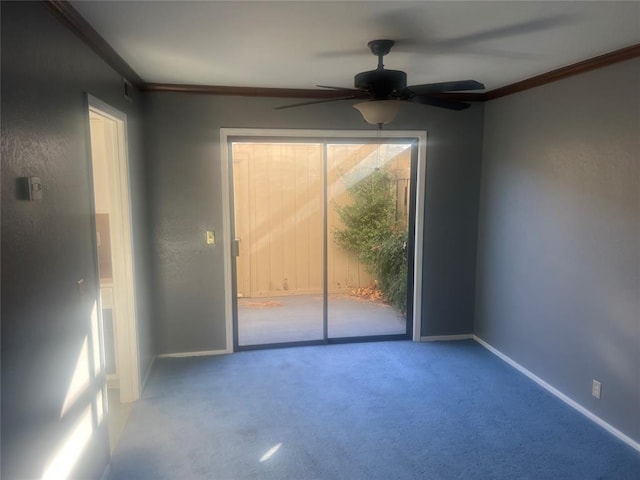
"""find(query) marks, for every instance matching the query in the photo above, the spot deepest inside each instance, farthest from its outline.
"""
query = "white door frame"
(124, 297)
(225, 133)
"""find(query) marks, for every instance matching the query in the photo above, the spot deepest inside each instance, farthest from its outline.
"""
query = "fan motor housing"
(381, 83)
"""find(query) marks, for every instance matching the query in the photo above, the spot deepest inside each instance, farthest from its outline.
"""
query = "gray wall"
(558, 277)
(184, 170)
(47, 246)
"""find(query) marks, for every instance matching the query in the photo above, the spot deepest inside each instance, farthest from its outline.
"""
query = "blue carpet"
(394, 410)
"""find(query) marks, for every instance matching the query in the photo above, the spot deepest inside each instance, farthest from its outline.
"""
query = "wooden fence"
(278, 197)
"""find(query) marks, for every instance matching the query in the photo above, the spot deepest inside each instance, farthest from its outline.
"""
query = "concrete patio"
(297, 318)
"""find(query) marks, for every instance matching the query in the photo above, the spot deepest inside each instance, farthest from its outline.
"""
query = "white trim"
(123, 271)
(225, 192)
(572, 403)
(113, 382)
(421, 182)
(225, 133)
(202, 353)
(446, 338)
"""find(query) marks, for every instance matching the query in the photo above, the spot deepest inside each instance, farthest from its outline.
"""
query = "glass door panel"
(278, 215)
(367, 232)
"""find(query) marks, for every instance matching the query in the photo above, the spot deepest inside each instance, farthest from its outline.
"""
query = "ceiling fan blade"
(530, 26)
(338, 88)
(439, 102)
(457, 86)
(407, 26)
(313, 102)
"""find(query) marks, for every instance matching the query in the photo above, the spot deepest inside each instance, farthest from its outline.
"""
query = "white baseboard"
(202, 353)
(113, 381)
(572, 403)
(446, 338)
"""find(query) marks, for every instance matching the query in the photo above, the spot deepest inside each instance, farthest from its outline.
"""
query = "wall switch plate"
(35, 188)
(596, 389)
(211, 237)
(29, 188)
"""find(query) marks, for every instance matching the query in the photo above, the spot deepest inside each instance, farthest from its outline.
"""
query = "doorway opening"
(114, 258)
(324, 237)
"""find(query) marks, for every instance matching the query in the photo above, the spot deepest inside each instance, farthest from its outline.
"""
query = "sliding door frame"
(321, 136)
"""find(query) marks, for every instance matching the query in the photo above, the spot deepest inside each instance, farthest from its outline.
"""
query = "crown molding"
(594, 63)
(77, 24)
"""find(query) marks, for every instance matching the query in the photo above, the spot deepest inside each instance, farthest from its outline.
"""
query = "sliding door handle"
(236, 247)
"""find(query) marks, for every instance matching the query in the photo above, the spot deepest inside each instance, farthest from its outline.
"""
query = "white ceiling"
(299, 44)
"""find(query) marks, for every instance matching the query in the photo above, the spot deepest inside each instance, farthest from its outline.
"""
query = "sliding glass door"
(278, 200)
(322, 240)
(367, 213)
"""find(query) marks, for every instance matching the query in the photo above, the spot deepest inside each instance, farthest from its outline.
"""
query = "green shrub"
(371, 232)
(391, 269)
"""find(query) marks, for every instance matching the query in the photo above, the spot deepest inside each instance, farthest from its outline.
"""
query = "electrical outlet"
(596, 389)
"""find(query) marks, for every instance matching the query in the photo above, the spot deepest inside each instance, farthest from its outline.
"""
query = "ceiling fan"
(386, 89)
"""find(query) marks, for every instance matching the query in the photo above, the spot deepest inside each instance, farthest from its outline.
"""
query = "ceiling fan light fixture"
(378, 112)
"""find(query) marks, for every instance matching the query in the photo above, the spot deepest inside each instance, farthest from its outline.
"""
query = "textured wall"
(47, 246)
(558, 282)
(185, 199)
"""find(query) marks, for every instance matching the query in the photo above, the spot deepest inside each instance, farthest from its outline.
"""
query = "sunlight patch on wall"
(99, 407)
(95, 340)
(79, 380)
(62, 463)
